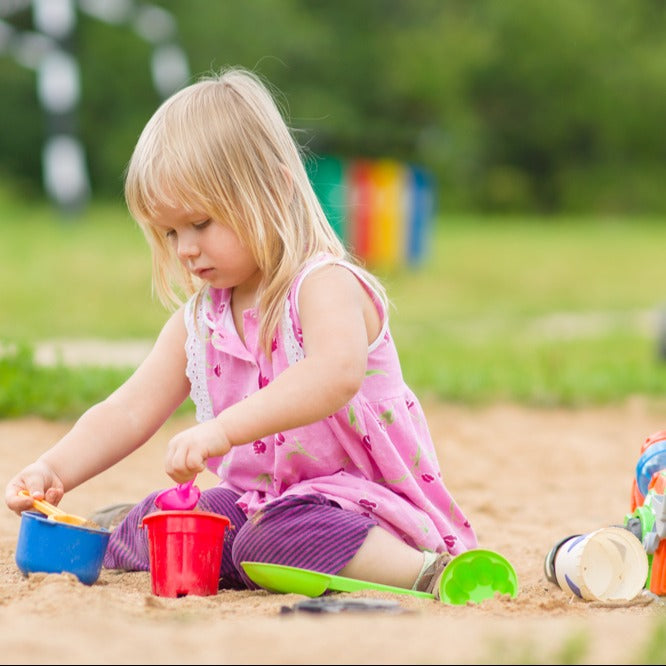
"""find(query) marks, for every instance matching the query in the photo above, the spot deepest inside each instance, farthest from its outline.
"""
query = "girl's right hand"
(188, 451)
(40, 481)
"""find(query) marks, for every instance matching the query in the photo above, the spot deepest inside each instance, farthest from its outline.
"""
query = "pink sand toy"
(182, 497)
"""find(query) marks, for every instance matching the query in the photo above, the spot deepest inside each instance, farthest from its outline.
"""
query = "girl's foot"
(434, 565)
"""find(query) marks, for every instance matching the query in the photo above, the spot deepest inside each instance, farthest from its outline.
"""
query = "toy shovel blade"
(285, 579)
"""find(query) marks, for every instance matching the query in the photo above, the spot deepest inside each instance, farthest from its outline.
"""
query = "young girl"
(323, 453)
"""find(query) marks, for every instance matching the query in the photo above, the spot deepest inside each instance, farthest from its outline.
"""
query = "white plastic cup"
(609, 564)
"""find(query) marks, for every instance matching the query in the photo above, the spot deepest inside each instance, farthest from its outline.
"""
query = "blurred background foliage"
(514, 105)
(541, 121)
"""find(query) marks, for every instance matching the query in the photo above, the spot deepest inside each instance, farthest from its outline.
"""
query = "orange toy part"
(654, 437)
(658, 572)
(636, 497)
(658, 483)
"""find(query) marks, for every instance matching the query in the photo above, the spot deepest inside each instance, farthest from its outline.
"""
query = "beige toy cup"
(609, 564)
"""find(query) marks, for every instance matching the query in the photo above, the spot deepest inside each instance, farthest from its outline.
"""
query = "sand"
(525, 477)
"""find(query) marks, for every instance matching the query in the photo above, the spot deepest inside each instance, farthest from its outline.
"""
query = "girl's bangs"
(167, 187)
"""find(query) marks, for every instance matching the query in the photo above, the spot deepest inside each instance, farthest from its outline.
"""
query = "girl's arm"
(113, 428)
(338, 321)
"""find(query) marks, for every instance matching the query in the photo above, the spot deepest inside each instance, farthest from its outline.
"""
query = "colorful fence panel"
(381, 209)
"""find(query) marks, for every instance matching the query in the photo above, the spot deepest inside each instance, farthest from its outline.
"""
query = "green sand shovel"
(471, 576)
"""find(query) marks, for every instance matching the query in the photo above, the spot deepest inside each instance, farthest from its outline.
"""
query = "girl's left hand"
(188, 451)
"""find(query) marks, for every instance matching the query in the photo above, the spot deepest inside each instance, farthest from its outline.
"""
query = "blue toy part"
(651, 461)
(50, 546)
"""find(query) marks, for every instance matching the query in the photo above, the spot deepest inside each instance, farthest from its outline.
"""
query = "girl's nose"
(187, 248)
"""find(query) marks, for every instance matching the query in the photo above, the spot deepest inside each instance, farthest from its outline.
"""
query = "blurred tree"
(119, 96)
(513, 105)
(22, 131)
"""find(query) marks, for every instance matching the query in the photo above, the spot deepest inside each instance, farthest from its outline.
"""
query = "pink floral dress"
(375, 456)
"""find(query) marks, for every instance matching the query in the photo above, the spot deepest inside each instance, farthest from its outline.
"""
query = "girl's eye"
(170, 233)
(201, 225)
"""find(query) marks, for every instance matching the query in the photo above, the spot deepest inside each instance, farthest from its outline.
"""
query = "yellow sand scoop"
(55, 513)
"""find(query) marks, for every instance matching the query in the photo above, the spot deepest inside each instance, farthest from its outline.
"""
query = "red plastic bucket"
(185, 549)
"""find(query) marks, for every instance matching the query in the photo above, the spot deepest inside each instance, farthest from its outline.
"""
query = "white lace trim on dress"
(195, 349)
(292, 346)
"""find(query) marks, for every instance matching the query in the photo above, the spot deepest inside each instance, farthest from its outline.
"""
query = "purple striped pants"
(307, 531)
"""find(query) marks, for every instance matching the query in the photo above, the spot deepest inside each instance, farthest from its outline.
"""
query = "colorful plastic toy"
(647, 519)
(185, 551)
(182, 497)
(49, 546)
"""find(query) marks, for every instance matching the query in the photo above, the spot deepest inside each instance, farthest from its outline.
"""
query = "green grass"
(53, 393)
(540, 311)
(88, 277)
(550, 311)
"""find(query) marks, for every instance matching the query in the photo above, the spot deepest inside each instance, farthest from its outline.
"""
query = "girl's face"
(208, 249)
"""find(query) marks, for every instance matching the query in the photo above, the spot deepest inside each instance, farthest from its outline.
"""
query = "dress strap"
(291, 322)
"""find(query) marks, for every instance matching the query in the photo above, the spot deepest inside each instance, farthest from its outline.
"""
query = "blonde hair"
(221, 146)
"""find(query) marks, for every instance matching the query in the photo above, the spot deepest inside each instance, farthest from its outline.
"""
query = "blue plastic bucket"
(49, 546)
